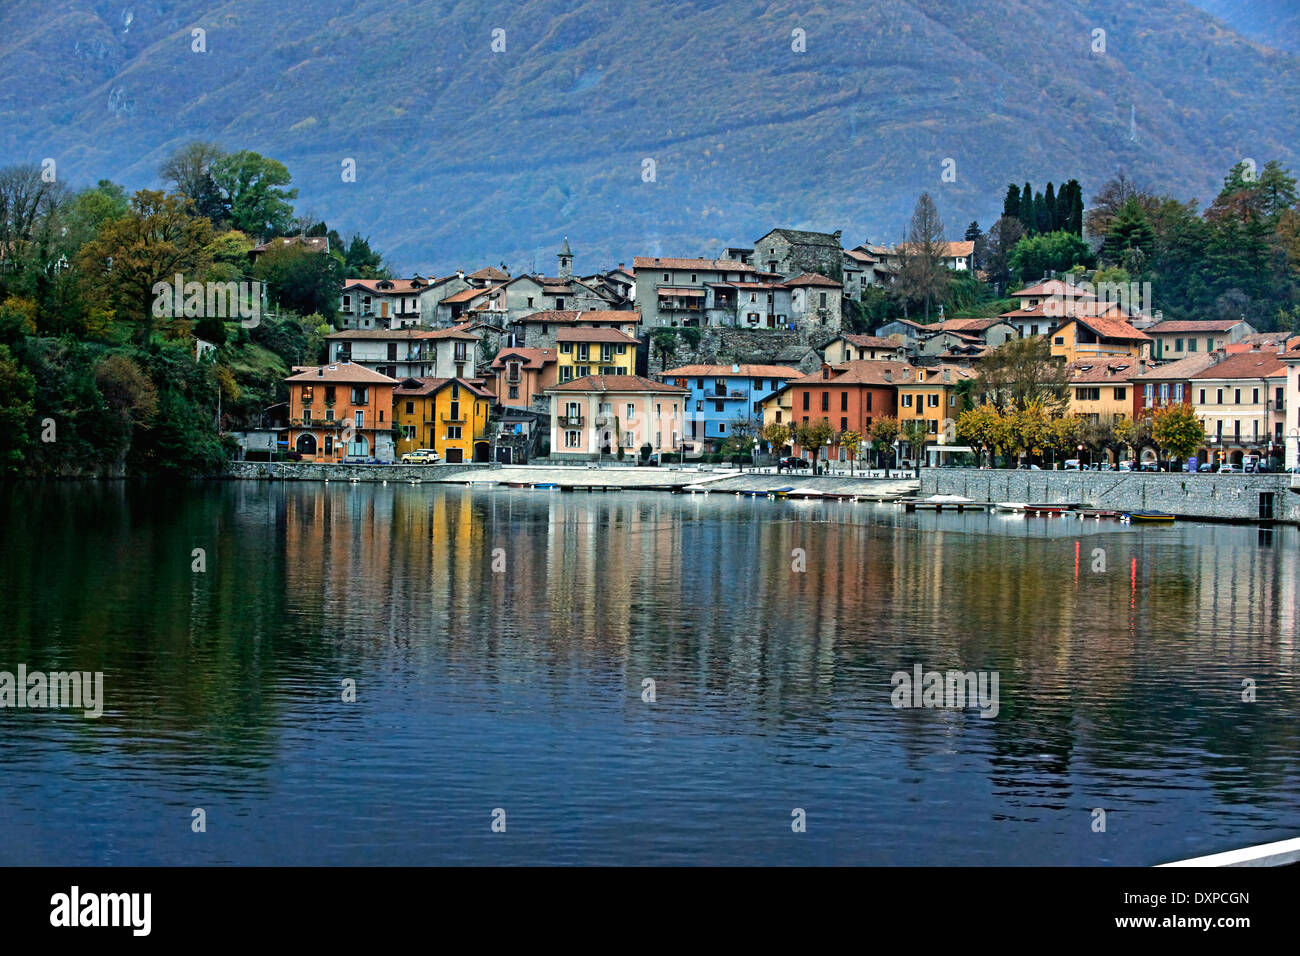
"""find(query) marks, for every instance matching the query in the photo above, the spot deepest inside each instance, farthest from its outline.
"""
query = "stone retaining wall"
(1222, 497)
(328, 471)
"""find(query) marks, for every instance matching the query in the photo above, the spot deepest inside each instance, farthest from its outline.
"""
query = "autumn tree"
(190, 171)
(1021, 372)
(1177, 430)
(922, 276)
(158, 239)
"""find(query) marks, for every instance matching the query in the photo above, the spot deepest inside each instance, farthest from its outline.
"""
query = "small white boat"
(1010, 506)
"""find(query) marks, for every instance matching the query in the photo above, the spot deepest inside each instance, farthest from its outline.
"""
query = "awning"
(682, 292)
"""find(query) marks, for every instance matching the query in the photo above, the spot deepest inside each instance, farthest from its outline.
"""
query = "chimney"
(947, 377)
(735, 369)
(889, 375)
(320, 373)
(460, 273)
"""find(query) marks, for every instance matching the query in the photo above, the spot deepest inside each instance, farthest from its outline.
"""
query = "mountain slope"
(466, 155)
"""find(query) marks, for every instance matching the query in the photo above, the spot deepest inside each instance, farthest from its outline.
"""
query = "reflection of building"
(449, 415)
(338, 410)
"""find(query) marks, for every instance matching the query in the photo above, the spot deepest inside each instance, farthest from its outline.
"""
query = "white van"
(1072, 465)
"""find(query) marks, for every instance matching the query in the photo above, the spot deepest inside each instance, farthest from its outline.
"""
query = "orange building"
(850, 396)
(338, 411)
(521, 375)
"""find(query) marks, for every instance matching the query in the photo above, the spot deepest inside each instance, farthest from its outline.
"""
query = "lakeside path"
(722, 480)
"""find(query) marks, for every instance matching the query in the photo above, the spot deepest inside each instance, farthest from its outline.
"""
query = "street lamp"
(1080, 449)
(828, 456)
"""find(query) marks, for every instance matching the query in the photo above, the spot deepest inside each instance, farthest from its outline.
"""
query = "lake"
(500, 642)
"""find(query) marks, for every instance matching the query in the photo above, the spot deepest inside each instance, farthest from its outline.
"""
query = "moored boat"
(1148, 516)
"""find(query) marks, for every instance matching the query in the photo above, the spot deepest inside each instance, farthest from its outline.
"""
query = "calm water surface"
(1119, 689)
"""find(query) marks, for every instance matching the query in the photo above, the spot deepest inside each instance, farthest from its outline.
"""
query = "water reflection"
(499, 640)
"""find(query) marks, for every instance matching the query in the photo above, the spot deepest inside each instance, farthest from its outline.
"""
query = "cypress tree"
(972, 231)
(1011, 204)
(1026, 211)
(1049, 203)
(1074, 218)
(1042, 223)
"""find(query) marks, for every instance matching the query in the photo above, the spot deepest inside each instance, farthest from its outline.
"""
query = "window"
(1149, 394)
(717, 405)
(722, 428)
(1060, 340)
(1254, 396)
(665, 276)
(844, 401)
(1087, 394)
(306, 416)
(826, 401)
(1237, 396)
(932, 400)
(410, 408)
(1178, 345)
(514, 391)
(699, 406)
(1191, 345)
(1219, 400)
(453, 432)
(329, 414)
(329, 394)
(360, 419)
(823, 300)
(360, 396)
(844, 424)
(566, 373)
(572, 439)
(1178, 392)
(1121, 394)
(308, 391)
(805, 402)
(559, 304)
(530, 302)
(907, 401)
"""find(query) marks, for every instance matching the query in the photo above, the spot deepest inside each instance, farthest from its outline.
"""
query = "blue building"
(723, 396)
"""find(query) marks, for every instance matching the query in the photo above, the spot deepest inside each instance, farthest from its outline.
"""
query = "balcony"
(453, 419)
(570, 421)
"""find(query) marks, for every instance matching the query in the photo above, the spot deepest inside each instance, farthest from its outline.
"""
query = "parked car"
(1207, 468)
(1126, 466)
(1230, 469)
(421, 456)
(1149, 466)
(793, 463)
(1028, 467)
(1072, 464)
(651, 462)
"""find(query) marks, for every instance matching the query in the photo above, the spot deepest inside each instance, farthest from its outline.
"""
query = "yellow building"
(449, 415)
(931, 394)
(1098, 337)
(778, 408)
(1101, 390)
(581, 352)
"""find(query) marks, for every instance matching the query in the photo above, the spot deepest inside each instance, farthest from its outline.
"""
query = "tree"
(251, 188)
(1002, 240)
(1030, 429)
(922, 276)
(1026, 215)
(17, 407)
(1072, 210)
(1011, 203)
(1129, 230)
(190, 171)
(1177, 430)
(814, 436)
(884, 432)
(158, 239)
(664, 341)
(1047, 253)
(916, 432)
(777, 435)
(849, 440)
(1020, 373)
(1064, 435)
(362, 262)
(301, 280)
(984, 427)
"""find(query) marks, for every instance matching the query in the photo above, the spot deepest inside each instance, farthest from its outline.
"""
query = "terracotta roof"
(562, 316)
(341, 372)
(380, 335)
(1193, 325)
(1246, 365)
(951, 249)
(1053, 287)
(532, 358)
(700, 265)
(489, 272)
(726, 371)
(388, 286)
(1182, 369)
(859, 256)
(409, 387)
(864, 372)
(1108, 328)
(1107, 370)
(616, 383)
(812, 278)
(595, 335)
(870, 342)
(467, 295)
(967, 325)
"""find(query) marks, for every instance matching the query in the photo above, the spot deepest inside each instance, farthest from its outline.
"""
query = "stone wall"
(1222, 497)
(327, 471)
(725, 346)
